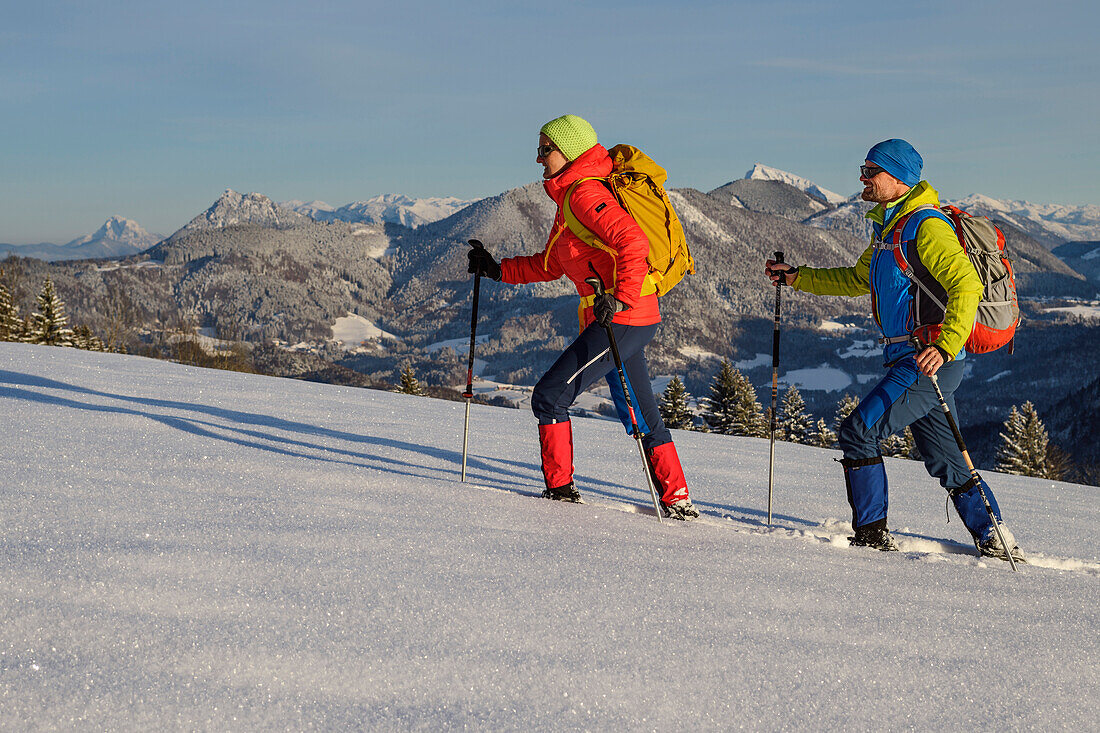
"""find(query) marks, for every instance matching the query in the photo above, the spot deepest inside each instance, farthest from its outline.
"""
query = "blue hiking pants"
(588, 359)
(906, 397)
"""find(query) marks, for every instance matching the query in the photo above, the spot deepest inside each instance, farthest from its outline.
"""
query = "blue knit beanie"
(899, 158)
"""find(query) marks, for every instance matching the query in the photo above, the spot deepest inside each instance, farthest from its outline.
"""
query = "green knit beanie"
(571, 134)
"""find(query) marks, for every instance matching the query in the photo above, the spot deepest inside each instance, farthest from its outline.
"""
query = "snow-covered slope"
(191, 549)
(387, 208)
(761, 172)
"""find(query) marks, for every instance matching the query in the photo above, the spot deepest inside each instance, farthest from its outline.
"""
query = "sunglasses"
(545, 150)
(869, 171)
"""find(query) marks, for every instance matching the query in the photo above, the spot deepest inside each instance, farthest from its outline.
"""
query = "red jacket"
(565, 254)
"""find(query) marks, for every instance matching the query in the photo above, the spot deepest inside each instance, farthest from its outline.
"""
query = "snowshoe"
(567, 493)
(874, 535)
(990, 546)
(682, 510)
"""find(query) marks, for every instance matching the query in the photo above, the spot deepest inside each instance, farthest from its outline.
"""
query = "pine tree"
(902, 445)
(11, 326)
(674, 406)
(844, 408)
(49, 323)
(793, 424)
(1059, 463)
(732, 407)
(26, 330)
(822, 436)
(83, 338)
(409, 385)
(1023, 450)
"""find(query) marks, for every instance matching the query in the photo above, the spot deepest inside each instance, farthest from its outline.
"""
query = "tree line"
(48, 324)
(733, 408)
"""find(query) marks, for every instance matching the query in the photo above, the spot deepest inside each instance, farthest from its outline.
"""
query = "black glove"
(481, 262)
(604, 308)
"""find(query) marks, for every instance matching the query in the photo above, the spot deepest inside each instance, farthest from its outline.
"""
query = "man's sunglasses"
(869, 171)
(545, 150)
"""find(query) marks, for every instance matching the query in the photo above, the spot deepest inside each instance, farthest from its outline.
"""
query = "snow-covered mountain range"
(388, 208)
(118, 237)
(1049, 224)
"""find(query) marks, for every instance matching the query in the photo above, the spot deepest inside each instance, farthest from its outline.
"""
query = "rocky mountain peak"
(233, 208)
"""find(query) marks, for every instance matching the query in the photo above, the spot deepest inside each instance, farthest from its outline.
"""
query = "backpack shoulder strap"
(905, 231)
(582, 232)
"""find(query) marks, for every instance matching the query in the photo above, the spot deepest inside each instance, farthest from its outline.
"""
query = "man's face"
(553, 161)
(879, 186)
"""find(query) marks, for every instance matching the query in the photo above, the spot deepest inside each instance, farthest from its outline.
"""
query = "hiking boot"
(567, 493)
(874, 535)
(682, 510)
(990, 546)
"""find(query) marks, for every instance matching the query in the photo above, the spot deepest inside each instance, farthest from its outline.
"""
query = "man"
(905, 396)
(571, 159)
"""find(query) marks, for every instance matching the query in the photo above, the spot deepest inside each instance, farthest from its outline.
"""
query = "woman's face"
(553, 161)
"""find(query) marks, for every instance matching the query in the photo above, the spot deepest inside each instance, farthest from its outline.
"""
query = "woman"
(569, 152)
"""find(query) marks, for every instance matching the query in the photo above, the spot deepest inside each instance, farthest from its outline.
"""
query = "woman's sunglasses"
(545, 150)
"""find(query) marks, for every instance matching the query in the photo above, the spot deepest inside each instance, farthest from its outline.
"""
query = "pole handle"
(595, 282)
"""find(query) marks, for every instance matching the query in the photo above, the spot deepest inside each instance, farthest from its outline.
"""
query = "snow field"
(193, 549)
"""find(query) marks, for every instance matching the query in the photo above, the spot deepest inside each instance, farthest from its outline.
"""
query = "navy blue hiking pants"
(906, 397)
(588, 359)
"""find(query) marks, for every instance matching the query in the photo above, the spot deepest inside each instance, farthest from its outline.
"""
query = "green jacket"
(940, 261)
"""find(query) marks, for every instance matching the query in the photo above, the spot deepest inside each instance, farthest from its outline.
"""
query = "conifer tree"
(732, 407)
(674, 406)
(793, 424)
(844, 408)
(26, 330)
(1059, 463)
(1023, 450)
(822, 436)
(11, 326)
(902, 445)
(83, 338)
(49, 324)
(409, 385)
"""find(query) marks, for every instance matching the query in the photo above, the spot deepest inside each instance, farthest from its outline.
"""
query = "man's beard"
(869, 193)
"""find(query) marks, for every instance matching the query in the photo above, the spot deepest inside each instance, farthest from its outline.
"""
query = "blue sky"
(150, 110)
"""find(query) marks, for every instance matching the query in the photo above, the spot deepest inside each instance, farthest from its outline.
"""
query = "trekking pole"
(775, 387)
(597, 284)
(469, 393)
(969, 463)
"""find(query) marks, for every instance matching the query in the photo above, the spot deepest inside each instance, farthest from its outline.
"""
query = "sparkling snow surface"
(196, 550)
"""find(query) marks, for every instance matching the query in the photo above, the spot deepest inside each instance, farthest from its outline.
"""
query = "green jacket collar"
(920, 195)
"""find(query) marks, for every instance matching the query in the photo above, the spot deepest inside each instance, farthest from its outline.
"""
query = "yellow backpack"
(638, 185)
